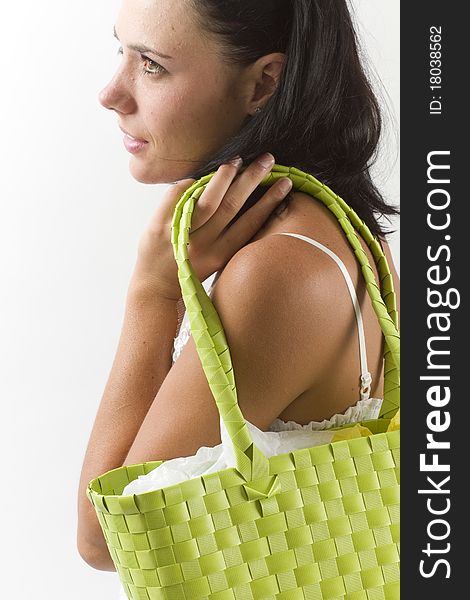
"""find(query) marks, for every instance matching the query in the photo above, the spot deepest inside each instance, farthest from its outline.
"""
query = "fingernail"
(237, 161)
(267, 160)
(285, 185)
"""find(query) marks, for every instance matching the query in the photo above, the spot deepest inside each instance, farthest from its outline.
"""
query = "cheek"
(191, 119)
(173, 111)
(198, 103)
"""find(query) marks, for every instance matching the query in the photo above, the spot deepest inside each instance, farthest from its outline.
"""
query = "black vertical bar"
(434, 261)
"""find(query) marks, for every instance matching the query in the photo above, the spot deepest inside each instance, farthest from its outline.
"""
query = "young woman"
(200, 82)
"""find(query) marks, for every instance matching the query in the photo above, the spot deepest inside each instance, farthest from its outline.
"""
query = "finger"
(177, 189)
(210, 199)
(254, 218)
(238, 193)
(171, 198)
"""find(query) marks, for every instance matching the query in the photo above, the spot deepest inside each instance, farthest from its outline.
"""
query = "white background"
(70, 220)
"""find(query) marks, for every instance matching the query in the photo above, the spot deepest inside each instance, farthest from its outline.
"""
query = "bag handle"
(391, 401)
(209, 335)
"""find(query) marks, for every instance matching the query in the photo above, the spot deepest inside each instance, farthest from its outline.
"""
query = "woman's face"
(179, 109)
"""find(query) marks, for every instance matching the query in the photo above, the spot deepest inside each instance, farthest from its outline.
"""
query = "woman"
(200, 82)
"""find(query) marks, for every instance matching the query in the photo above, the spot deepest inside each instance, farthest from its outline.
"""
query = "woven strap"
(208, 333)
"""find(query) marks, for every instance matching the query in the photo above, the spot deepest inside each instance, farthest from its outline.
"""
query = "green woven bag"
(319, 524)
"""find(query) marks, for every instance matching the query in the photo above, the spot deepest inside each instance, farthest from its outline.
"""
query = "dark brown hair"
(323, 118)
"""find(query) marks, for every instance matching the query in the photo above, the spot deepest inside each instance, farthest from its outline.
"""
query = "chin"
(147, 175)
(152, 175)
(147, 179)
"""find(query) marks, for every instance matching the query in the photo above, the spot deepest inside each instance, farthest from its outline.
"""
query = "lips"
(135, 139)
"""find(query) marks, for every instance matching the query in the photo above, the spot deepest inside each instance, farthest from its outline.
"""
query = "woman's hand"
(211, 243)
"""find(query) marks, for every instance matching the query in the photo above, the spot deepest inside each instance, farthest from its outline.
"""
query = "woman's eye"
(150, 66)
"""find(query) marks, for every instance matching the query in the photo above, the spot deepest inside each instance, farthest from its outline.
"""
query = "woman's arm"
(142, 361)
(143, 358)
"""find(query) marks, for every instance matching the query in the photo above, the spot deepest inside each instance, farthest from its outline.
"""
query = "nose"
(117, 96)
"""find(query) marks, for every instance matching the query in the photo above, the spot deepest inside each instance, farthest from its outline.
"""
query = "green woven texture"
(318, 523)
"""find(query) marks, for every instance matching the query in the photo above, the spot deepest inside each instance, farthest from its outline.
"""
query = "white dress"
(282, 436)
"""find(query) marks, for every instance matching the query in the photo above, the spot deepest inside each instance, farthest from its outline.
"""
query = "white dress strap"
(366, 378)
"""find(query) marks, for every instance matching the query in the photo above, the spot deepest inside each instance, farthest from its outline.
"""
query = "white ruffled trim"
(363, 410)
(184, 332)
(180, 340)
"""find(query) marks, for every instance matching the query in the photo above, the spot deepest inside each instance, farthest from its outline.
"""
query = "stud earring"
(258, 109)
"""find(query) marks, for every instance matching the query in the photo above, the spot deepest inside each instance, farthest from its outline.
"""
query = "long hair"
(323, 117)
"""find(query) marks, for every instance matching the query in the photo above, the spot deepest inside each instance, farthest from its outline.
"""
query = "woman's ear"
(264, 79)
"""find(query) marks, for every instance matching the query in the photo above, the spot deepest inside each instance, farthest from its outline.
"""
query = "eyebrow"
(143, 49)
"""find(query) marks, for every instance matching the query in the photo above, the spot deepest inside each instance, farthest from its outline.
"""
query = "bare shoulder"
(274, 267)
(313, 218)
(284, 277)
(274, 301)
(266, 287)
